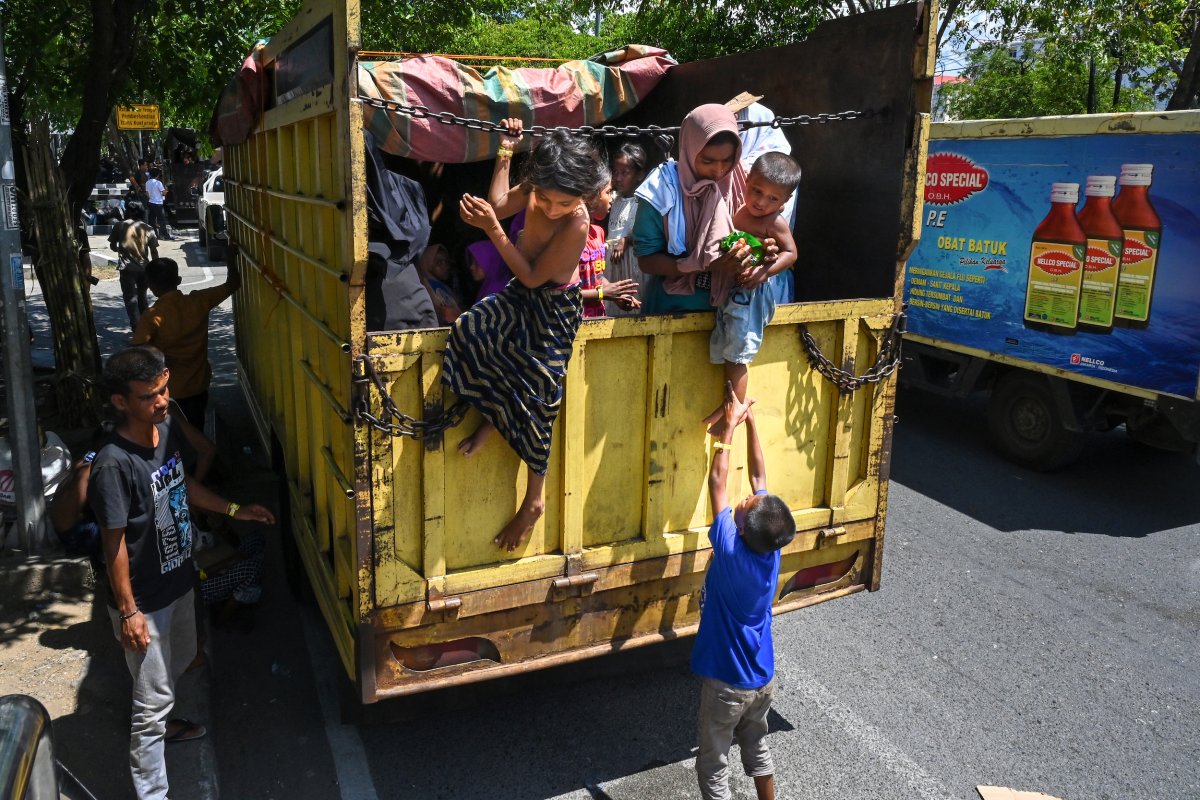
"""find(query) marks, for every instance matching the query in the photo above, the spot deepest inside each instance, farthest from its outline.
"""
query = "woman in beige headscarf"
(687, 210)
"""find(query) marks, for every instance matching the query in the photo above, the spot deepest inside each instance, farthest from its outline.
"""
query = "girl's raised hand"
(477, 212)
(514, 127)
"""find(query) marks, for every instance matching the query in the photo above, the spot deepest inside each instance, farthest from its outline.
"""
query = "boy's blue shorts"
(740, 323)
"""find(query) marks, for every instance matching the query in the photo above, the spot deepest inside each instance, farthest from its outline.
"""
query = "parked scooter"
(56, 465)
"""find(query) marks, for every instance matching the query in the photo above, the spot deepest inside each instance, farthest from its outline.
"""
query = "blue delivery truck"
(1059, 269)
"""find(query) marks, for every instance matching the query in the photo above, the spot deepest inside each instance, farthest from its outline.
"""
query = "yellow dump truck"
(395, 533)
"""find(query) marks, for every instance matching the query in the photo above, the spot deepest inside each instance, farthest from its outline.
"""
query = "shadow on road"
(1117, 488)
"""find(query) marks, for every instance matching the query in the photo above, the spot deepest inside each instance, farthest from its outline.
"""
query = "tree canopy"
(1067, 57)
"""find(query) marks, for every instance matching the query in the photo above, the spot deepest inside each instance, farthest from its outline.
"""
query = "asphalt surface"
(1033, 631)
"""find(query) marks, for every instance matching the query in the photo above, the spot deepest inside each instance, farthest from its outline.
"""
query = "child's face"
(764, 198)
(553, 203)
(625, 176)
(477, 273)
(435, 262)
(602, 202)
(715, 161)
(743, 508)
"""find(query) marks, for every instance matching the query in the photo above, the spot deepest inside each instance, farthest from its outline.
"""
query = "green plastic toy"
(757, 251)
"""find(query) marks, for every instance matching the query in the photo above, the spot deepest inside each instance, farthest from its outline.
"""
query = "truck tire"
(1026, 425)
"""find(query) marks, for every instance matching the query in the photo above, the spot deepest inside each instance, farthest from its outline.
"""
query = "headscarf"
(708, 206)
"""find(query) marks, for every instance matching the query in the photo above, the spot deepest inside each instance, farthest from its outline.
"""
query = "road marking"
(208, 276)
(345, 745)
(864, 733)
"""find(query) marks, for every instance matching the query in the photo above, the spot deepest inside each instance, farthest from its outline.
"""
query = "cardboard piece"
(742, 101)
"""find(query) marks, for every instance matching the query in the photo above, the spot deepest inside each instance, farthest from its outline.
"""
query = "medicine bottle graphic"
(1143, 237)
(1056, 257)
(1102, 267)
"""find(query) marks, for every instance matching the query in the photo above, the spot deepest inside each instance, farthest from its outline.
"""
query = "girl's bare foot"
(517, 531)
(470, 445)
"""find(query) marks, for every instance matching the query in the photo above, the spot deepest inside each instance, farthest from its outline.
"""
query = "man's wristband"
(130, 615)
(503, 152)
(722, 446)
(600, 293)
(232, 510)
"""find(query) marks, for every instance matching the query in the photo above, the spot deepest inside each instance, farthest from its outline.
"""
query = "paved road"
(1035, 631)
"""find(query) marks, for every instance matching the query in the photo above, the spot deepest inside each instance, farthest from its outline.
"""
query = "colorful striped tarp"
(575, 93)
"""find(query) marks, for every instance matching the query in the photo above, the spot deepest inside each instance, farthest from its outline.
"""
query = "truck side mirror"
(194, 191)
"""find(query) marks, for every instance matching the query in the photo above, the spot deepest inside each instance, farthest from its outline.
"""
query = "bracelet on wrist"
(130, 615)
(600, 293)
(722, 446)
(232, 510)
(504, 152)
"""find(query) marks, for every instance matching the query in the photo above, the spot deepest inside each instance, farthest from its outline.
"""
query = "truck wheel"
(1026, 426)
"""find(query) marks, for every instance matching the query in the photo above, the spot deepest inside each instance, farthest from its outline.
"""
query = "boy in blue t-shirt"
(734, 654)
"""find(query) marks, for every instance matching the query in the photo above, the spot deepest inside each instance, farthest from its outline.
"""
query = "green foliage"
(192, 48)
(692, 30)
(1141, 40)
(1043, 82)
(533, 38)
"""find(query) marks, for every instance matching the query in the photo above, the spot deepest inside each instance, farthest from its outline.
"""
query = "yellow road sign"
(138, 118)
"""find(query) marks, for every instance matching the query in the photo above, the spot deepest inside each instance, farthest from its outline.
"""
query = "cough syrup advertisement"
(1077, 252)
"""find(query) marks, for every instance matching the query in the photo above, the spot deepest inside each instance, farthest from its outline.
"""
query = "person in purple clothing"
(734, 655)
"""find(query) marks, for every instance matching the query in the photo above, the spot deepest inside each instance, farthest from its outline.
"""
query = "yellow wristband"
(504, 152)
(600, 293)
(232, 510)
(722, 446)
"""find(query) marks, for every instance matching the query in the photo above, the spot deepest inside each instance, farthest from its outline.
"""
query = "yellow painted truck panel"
(395, 534)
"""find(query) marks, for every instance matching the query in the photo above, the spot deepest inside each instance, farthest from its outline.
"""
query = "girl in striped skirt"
(507, 356)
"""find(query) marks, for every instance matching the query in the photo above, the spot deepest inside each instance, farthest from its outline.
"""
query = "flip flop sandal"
(188, 731)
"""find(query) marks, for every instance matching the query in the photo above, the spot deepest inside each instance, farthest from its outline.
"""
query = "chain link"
(886, 362)
(395, 421)
(418, 111)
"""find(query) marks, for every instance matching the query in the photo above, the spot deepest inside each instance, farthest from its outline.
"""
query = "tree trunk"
(1091, 93)
(64, 283)
(1117, 78)
(1187, 91)
(110, 53)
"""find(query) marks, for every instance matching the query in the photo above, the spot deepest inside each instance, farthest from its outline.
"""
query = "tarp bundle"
(575, 93)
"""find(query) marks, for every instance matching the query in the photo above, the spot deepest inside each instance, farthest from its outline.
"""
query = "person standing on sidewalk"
(177, 324)
(156, 195)
(140, 492)
(135, 244)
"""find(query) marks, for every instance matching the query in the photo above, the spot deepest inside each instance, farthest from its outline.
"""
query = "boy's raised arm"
(754, 454)
(735, 412)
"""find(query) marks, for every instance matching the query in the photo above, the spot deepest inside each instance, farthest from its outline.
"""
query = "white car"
(210, 212)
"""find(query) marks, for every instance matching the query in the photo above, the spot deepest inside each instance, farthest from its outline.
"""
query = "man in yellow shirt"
(177, 324)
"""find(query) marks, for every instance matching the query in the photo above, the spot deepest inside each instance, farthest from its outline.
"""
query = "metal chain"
(396, 422)
(886, 362)
(418, 111)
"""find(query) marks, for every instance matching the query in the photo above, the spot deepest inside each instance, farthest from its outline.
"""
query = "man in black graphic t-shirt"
(139, 491)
